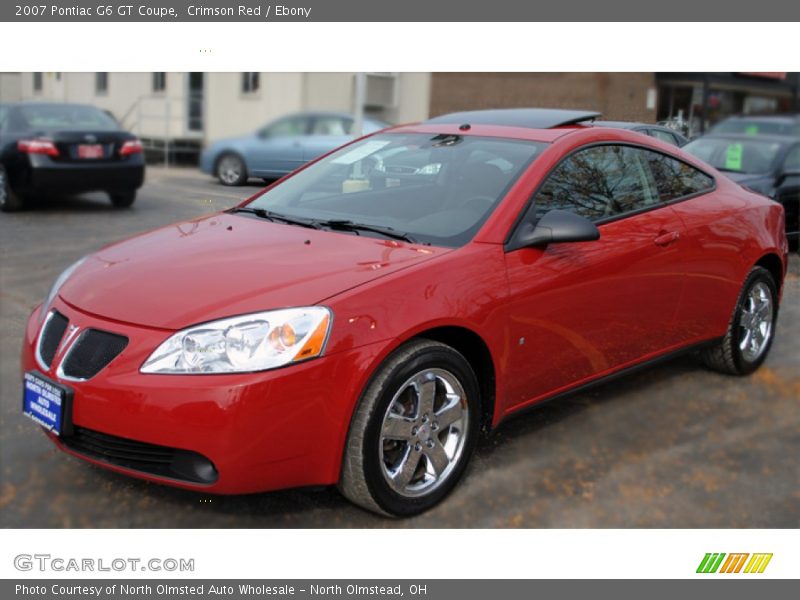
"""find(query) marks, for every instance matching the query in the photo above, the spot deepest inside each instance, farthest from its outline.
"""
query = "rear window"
(738, 155)
(50, 117)
(757, 127)
(664, 136)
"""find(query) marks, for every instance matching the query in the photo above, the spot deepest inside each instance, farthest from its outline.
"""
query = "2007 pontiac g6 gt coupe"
(360, 321)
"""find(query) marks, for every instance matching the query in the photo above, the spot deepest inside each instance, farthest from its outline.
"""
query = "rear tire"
(751, 329)
(413, 431)
(231, 170)
(9, 200)
(122, 199)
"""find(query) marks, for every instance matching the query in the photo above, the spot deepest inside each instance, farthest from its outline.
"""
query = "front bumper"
(262, 431)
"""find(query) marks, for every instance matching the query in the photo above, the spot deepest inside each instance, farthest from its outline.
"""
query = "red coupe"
(359, 322)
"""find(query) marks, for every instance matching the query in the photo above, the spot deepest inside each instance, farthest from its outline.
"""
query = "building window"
(101, 83)
(37, 82)
(250, 83)
(159, 82)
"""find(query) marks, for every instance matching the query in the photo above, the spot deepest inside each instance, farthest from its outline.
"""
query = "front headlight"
(253, 342)
(60, 281)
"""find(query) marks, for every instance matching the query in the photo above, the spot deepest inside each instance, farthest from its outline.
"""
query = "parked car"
(660, 132)
(358, 324)
(280, 146)
(760, 125)
(48, 148)
(769, 165)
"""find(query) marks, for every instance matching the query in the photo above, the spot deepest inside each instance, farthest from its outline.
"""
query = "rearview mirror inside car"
(556, 226)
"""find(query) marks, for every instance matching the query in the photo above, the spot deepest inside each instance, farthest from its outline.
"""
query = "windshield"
(757, 127)
(435, 189)
(741, 155)
(65, 117)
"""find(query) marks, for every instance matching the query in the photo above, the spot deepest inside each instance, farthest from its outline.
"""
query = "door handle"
(667, 238)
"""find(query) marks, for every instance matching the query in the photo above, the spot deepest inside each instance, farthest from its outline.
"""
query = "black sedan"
(768, 164)
(665, 134)
(48, 149)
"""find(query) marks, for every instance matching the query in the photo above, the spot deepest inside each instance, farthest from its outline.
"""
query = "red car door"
(580, 310)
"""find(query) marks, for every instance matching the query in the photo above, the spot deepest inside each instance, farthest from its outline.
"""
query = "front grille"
(162, 461)
(93, 351)
(53, 331)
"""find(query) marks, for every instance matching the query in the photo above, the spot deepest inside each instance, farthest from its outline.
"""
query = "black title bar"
(400, 11)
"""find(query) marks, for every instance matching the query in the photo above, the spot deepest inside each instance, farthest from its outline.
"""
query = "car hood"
(228, 264)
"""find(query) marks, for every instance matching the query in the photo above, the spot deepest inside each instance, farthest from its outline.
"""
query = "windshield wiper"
(345, 225)
(259, 212)
(263, 213)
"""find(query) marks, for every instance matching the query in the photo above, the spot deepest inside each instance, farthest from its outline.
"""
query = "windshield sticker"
(751, 130)
(356, 154)
(733, 157)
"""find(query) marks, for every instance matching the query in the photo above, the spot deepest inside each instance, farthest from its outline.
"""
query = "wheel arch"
(464, 340)
(476, 351)
(773, 263)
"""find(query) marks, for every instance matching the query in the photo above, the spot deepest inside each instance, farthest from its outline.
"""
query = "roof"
(47, 103)
(766, 118)
(775, 138)
(528, 118)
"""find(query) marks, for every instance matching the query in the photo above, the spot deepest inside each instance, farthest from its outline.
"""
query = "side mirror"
(556, 226)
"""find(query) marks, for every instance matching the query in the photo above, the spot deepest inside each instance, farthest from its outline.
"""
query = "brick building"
(619, 96)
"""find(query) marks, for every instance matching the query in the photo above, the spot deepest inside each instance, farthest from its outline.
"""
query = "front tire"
(751, 330)
(9, 200)
(231, 170)
(413, 431)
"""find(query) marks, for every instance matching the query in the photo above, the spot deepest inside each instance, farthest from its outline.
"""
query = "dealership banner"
(363, 589)
(404, 11)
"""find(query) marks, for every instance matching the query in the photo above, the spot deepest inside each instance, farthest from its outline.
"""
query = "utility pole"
(358, 102)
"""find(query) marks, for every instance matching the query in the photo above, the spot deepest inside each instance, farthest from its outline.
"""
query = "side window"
(664, 136)
(791, 164)
(3, 117)
(675, 179)
(331, 126)
(599, 182)
(288, 127)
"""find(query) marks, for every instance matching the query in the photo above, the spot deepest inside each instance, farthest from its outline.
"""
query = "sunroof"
(531, 118)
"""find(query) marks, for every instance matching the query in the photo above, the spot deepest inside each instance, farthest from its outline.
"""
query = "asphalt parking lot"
(672, 446)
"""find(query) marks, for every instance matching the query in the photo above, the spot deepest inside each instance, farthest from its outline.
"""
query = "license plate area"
(90, 151)
(47, 403)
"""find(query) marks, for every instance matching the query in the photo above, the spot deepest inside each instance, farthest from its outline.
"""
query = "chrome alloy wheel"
(229, 169)
(755, 322)
(423, 432)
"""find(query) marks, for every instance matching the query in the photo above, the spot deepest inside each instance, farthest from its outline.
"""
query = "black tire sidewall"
(442, 358)
(743, 365)
(124, 199)
(13, 202)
